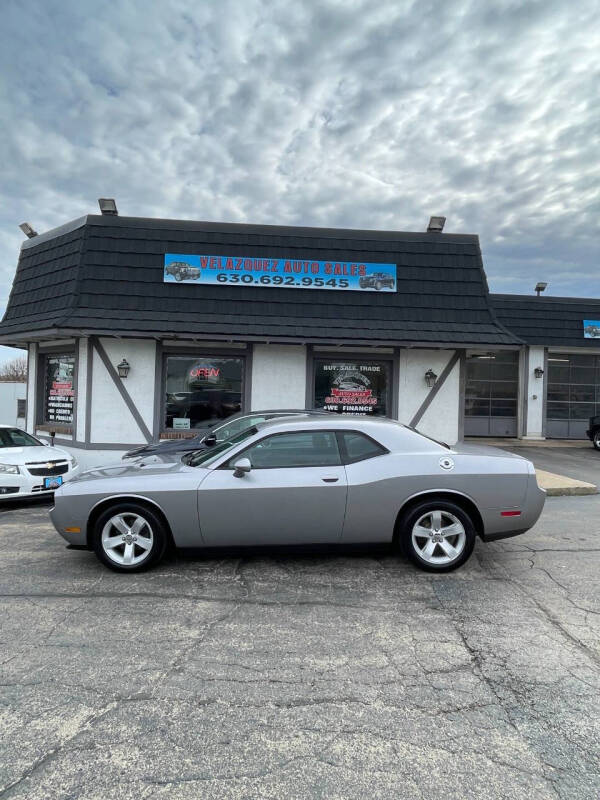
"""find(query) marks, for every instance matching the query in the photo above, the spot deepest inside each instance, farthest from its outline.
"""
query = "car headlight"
(12, 469)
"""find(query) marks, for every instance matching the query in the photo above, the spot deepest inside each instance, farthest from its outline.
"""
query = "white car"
(30, 467)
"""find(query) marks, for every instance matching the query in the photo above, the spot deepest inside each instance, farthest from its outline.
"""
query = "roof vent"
(108, 206)
(436, 224)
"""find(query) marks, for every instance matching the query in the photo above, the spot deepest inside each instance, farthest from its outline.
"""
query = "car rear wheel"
(378, 285)
(596, 439)
(128, 537)
(437, 535)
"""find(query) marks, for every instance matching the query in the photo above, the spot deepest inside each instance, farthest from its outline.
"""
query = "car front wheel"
(596, 439)
(437, 535)
(129, 537)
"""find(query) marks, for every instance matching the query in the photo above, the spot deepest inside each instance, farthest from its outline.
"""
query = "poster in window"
(352, 387)
(60, 392)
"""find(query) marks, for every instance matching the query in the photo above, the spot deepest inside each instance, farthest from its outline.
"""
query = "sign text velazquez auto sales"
(279, 273)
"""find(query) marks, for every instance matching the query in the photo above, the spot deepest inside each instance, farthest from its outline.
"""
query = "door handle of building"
(330, 480)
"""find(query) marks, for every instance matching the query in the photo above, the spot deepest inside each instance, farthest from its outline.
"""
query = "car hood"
(27, 455)
(156, 465)
(171, 445)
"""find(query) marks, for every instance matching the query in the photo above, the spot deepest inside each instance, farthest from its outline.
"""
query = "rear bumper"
(496, 526)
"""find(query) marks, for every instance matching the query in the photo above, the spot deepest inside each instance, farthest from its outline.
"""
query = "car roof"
(388, 432)
(286, 411)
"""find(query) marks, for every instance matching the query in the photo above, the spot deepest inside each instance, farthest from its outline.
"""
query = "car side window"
(298, 449)
(359, 447)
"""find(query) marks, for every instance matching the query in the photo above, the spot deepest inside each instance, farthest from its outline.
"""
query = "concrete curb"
(558, 485)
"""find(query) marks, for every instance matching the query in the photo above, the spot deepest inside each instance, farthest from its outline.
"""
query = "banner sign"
(279, 273)
(591, 329)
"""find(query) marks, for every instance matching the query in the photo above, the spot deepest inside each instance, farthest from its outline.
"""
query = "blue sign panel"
(280, 273)
(591, 329)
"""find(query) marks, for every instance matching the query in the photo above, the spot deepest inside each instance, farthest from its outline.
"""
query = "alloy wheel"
(438, 537)
(127, 539)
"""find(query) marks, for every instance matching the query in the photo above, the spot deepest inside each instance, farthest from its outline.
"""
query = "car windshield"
(204, 458)
(13, 437)
(234, 426)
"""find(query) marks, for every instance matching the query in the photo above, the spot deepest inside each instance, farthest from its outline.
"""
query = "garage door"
(491, 393)
(573, 394)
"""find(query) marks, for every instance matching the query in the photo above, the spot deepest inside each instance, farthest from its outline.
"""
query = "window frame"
(390, 358)
(346, 460)
(40, 406)
(341, 446)
(243, 355)
(227, 463)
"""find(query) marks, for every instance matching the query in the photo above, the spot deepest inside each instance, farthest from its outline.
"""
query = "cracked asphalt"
(272, 675)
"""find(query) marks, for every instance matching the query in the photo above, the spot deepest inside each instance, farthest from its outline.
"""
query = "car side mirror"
(210, 440)
(241, 467)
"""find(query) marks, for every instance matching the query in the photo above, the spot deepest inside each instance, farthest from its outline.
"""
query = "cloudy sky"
(350, 113)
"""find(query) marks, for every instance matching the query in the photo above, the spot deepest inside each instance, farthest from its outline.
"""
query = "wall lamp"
(538, 372)
(123, 368)
(108, 206)
(430, 378)
(540, 287)
(28, 230)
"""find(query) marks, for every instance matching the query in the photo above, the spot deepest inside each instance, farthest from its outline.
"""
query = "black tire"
(153, 521)
(178, 276)
(596, 439)
(378, 285)
(415, 513)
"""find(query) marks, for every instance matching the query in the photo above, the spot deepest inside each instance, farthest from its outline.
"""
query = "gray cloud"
(352, 113)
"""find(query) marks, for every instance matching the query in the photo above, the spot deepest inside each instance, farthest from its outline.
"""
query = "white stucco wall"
(81, 390)
(534, 388)
(111, 420)
(441, 420)
(278, 376)
(31, 381)
(10, 392)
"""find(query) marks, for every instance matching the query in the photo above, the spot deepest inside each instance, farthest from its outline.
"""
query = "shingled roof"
(547, 321)
(104, 275)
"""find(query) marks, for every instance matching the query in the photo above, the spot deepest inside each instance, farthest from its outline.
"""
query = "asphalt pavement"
(581, 463)
(344, 675)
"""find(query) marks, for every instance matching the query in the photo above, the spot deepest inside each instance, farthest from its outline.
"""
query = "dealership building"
(138, 329)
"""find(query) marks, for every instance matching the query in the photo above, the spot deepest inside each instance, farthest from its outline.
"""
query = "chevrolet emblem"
(50, 465)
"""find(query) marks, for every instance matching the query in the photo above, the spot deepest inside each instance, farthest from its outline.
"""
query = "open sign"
(205, 372)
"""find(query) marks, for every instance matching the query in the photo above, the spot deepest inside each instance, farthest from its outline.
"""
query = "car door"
(295, 493)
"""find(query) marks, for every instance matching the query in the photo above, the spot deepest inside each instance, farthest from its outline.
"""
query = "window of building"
(353, 386)
(21, 408)
(491, 393)
(573, 393)
(59, 389)
(201, 390)
(298, 449)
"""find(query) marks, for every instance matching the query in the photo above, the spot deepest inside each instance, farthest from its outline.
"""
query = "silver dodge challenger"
(304, 481)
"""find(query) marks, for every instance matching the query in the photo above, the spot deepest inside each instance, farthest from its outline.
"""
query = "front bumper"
(13, 487)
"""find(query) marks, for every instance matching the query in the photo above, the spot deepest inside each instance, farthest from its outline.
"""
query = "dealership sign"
(276, 273)
(591, 329)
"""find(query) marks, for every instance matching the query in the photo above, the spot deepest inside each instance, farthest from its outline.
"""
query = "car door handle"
(330, 480)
